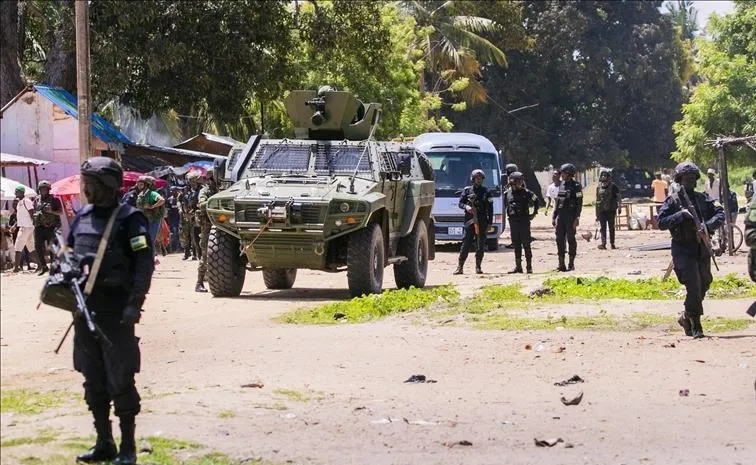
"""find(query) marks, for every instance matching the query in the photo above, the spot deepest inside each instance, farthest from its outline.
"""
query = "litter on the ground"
(419, 379)
(550, 442)
(574, 400)
(253, 385)
(457, 443)
(684, 392)
(574, 380)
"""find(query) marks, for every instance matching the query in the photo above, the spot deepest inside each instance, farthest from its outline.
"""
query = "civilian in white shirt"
(712, 185)
(552, 192)
(25, 236)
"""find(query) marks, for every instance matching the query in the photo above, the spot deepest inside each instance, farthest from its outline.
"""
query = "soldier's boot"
(40, 261)
(529, 265)
(561, 266)
(685, 323)
(186, 254)
(478, 269)
(517, 268)
(571, 264)
(105, 448)
(200, 287)
(613, 246)
(17, 262)
(602, 246)
(460, 267)
(127, 452)
(695, 327)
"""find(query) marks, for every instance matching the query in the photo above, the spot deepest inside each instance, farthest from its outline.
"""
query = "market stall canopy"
(8, 187)
(8, 159)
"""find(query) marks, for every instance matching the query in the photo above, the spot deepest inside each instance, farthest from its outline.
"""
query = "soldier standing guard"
(517, 202)
(189, 199)
(690, 253)
(607, 206)
(210, 189)
(477, 201)
(566, 216)
(47, 210)
(115, 302)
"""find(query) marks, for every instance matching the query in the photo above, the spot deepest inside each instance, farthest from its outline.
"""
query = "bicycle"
(719, 240)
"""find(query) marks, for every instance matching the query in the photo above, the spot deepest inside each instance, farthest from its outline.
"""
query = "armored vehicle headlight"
(338, 222)
(344, 207)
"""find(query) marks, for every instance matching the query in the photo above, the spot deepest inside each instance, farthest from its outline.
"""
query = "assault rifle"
(472, 201)
(66, 270)
(703, 232)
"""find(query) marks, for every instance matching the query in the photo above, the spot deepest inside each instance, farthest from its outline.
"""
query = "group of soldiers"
(33, 225)
(190, 221)
(520, 207)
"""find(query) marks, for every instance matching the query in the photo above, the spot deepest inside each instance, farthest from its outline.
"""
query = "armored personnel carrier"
(331, 199)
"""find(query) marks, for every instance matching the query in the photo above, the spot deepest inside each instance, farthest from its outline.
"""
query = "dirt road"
(335, 395)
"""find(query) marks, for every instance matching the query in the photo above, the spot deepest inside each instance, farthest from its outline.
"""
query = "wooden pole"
(81, 12)
(724, 187)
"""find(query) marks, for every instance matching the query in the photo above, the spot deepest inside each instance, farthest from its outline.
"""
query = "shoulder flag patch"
(139, 243)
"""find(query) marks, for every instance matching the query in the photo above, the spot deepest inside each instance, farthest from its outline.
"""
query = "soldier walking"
(566, 216)
(210, 189)
(115, 302)
(477, 202)
(750, 238)
(607, 205)
(517, 202)
(690, 252)
(47, 210)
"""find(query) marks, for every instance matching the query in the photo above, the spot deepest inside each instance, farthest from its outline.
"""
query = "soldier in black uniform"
(566, 216)
(607, 205)
(115, 302)
(477, 202)
(690, 255)
(517, 203)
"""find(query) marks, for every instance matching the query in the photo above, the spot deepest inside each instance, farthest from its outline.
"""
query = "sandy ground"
(490, 391)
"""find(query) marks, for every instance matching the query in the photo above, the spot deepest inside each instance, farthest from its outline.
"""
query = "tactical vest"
(685, 231)
(116, 268)
(46, 220)
(567, 200)
(604, 198)
(518, 203)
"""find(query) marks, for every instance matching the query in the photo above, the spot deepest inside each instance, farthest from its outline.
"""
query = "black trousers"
(607, 219)
(693, 270)
(108, 370)
(469, 239)
(565, 235)
(519, 229)
(43, 235)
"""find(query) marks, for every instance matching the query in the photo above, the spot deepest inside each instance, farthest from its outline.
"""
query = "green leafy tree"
(601, 84)
(724, 104)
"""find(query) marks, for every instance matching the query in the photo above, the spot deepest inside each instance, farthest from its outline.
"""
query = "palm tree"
(685, 16)
(455, 47)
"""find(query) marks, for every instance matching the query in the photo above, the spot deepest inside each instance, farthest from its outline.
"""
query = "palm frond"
(475, 24)
(483, 47)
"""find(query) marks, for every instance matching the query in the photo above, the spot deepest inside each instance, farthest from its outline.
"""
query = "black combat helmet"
(511, 168)
(107, 170)
(477, 173)
(568, 168)
(684, 168)
(516, 176)
(605, 174)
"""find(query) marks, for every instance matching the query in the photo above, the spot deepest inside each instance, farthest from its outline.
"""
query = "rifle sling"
(101, 251)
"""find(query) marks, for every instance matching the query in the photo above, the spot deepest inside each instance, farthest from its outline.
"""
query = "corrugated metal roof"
(101, 128)
(9, 159)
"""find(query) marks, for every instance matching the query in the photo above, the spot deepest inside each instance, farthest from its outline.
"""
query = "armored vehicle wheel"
(365, 260)
(492, 244)
(415, 247)
(226, 268)
(279, 278)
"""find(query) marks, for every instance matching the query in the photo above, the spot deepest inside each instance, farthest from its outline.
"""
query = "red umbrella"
(66, 186)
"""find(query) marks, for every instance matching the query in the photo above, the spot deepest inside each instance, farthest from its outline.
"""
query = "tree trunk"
(11, 82)
(60, 68)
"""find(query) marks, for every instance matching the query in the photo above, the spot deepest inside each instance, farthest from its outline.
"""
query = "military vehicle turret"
(331, 199)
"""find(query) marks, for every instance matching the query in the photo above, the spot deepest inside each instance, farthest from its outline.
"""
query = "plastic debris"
(457, 443)
(573, 401)
(574, 380)
(257, 385)
(419, 379)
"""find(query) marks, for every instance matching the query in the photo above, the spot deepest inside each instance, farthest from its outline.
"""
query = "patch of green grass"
(722, 325)
(277, 406)
(642, 320)
(223, 414)
(366, 308)
(28, 402)
(506, 322)
(42, 437)
(730, 286)
(495, 296)
(299, 396)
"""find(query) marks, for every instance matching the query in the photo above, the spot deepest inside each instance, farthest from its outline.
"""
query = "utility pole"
(81, 11)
